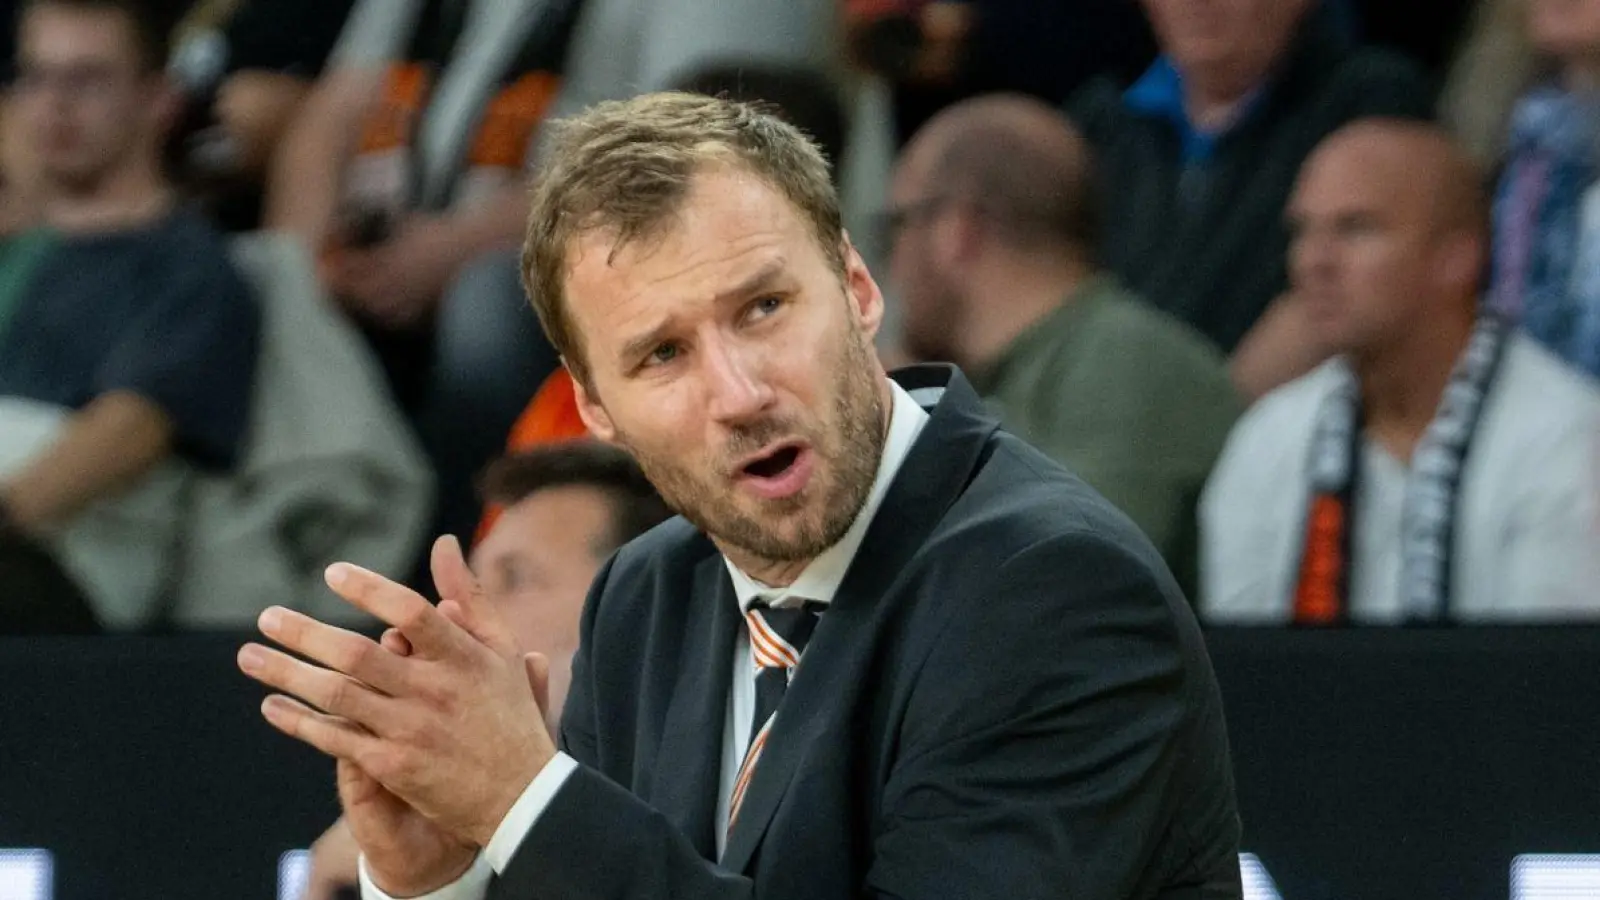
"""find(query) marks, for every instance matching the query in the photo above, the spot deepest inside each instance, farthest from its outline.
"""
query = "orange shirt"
(551, 417)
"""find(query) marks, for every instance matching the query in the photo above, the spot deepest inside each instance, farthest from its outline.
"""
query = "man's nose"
(735, 385)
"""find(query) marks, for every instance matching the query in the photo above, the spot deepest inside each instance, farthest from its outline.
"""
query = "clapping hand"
(437, 728)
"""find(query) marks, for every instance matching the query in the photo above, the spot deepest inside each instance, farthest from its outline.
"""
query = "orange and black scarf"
(1322, 589)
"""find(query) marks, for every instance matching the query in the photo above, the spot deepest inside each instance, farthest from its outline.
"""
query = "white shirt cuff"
(526, 811)
(472, 885)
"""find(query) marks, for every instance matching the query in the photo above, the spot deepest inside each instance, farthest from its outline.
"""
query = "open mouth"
(773, 464)
(779, 474)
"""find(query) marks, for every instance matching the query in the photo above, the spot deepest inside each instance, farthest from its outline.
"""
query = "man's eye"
(766, 306)
(663, 353)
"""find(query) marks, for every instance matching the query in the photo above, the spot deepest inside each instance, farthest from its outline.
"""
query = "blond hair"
(624, 168)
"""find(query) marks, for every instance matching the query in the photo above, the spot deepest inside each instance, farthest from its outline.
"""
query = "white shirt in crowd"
(818, 582)
(1527, 544)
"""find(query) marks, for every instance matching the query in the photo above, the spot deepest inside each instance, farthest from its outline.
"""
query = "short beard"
(859, 418)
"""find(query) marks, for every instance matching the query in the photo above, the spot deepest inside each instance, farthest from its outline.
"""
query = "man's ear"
(866, 299)
(594, 415)
(1463, 259)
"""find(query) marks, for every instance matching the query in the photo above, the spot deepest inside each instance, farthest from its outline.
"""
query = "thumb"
(462, 601)
(538, 666)
(355, 786)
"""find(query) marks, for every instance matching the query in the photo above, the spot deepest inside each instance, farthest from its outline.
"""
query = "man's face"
(919, 261)
(735, 364)
(83, 97)
(536, 566)
(1235, 35)
(1565, 29)
(1363, 255)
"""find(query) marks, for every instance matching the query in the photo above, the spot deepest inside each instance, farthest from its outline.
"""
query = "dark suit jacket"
(1008, 698)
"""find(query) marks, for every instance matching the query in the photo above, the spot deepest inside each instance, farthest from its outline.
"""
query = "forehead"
(553, 523)
(730, 224)
(1359, 174)
(80, 32)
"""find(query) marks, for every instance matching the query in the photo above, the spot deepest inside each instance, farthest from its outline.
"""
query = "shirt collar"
(820, 580)
(1159, 93)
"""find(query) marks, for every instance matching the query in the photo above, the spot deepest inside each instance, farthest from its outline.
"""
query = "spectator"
(128, 341)
(1443, 468)
(1547, 217)
(995, 258)
(568, 506)
(1199, 155)
(413, 188)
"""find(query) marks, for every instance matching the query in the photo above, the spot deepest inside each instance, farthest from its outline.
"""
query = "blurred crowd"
(1310, 289)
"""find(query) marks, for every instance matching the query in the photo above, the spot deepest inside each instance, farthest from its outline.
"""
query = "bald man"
(1443, 467)
(994, 257)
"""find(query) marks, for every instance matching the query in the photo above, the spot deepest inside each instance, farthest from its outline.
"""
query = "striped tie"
(777, 638)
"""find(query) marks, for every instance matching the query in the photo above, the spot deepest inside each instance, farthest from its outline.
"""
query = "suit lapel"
(689, 766)
(932, 478)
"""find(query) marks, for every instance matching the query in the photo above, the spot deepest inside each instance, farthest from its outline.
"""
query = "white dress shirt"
(818, 582)
(1528, 541)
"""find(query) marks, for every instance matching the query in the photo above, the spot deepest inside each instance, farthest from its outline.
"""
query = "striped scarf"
(1322, 588)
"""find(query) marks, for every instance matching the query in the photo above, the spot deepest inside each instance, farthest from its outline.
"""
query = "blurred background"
(1309, 288)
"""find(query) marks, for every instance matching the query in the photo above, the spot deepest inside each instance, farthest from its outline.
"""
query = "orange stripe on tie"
(781, 651)
(747, 771)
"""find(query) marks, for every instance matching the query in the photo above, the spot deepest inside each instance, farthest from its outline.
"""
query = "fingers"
(330, 734)
(330, 691)
(429, 632)
(463, 601)
(538, 666)
(336, 648)
(395, 642)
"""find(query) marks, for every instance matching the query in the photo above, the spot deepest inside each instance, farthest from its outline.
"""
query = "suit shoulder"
(670, 550)
(1031, 556)
(1021, 499)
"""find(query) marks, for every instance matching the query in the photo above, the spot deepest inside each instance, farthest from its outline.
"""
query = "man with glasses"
(995, 239)
(127, 341)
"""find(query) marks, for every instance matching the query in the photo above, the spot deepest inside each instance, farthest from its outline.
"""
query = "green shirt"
(1134, 402)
